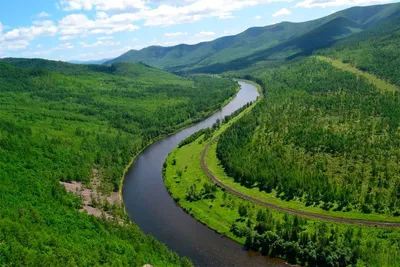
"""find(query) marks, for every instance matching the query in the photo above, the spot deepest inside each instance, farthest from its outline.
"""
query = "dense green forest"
(375, 51)
(298, 240)
(323, 136)
(58, 126)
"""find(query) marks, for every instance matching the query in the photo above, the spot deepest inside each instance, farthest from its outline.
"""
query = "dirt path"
(287, 210)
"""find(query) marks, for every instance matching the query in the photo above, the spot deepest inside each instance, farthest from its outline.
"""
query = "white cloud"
(43, 15)
(175, 34)
(105, 5)
(335, 3)
(112, 16)
(19, 38)
(282, 12)
(205, 34)
(64, 46)
(99, 43)
(80, 24)
(257, 17)
(163, 14)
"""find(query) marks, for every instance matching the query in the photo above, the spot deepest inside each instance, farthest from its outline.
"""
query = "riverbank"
(190, 155)
(237, 218)
(184, 125)
(151, 207)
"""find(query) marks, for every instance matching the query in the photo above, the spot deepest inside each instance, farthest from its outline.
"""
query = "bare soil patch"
(93, 199)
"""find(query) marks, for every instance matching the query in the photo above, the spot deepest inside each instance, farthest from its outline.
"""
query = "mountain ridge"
(227, 49)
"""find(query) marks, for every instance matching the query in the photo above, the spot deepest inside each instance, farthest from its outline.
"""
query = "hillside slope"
(375, 50)
(84, 126)
(254, 41)
(129, 70)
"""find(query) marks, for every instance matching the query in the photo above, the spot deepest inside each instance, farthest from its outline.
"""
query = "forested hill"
(132, 70)
(375, 50)
(323, 136)
(55, 127)
(271, 42)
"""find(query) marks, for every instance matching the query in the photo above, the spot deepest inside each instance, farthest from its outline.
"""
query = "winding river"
(151, 207)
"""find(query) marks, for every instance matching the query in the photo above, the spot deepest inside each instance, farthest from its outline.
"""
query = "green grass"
(217, 169)
(183, 170)
(214, 164)
(188, 161)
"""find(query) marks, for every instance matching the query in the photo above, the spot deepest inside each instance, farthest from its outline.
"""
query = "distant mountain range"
(278, 42)
(100, 61)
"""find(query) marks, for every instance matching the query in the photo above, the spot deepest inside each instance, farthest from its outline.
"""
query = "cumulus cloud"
(175, 34)
(112, 16)
(164, 13)
(257, 17)
(80, 24)
(334, 3)
(19, 38)
(282, 12)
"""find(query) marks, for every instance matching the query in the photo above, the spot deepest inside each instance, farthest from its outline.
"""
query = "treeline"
(207, 132)
(307, 243)
(323, 136)
(57, 127)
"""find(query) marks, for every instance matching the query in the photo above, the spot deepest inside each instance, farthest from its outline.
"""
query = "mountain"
(100, 61)
(275, 42)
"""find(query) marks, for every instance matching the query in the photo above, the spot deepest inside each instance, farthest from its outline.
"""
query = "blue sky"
(96, 29)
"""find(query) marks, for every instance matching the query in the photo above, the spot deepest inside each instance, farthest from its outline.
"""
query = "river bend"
(151, 207)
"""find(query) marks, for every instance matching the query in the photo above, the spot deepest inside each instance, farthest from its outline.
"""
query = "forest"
(298, 240)
(59, 126)
(323, 136)
(375, 50)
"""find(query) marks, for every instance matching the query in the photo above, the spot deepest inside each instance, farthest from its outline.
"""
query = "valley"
(277, 145)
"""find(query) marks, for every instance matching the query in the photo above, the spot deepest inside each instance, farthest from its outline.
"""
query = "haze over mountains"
(273, 43)
(100, 61)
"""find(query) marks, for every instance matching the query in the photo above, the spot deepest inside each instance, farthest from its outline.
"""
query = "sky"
(97, 29)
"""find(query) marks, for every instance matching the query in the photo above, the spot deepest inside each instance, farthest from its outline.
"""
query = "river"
(151, 207)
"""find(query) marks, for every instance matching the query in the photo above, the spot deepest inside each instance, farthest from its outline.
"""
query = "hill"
(375, 50)
(259, 42)
(75, 124)
(129, 70)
